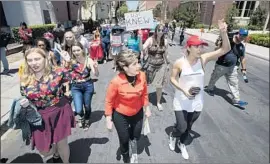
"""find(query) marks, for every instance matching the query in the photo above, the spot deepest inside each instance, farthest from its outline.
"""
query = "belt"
(84, 81)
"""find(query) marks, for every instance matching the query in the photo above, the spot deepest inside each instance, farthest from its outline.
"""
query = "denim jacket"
(24, 118)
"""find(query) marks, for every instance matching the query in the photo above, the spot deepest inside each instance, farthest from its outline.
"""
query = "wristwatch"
(243, 69)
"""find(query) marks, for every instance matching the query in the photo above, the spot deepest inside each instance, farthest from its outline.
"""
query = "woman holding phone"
(188, 79)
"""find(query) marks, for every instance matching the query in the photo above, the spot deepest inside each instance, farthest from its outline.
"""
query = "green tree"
(258, 17)
(157, 10)
(231, 12)
(122, 10)
(187, 12)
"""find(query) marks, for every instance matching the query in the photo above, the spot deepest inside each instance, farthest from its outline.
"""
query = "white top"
(84, 43)
(191, 76)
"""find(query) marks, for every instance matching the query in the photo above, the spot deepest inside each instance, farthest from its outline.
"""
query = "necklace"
(131, 80)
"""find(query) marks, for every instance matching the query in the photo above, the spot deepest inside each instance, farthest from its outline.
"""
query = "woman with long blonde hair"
(42, 85)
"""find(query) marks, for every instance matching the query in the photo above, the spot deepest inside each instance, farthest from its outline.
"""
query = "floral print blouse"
(45, 94)
(80, 72)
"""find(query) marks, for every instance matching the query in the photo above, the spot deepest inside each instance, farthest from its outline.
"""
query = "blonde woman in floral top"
(42, 85)
(82, 87)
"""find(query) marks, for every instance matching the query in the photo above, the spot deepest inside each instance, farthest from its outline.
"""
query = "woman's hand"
(109, 122)
(95, 63)
(189, 96)
(65, 56)
(24, 102)
(147, 112)
(222, 25)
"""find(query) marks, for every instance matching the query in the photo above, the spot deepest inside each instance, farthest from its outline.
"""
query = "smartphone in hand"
(194, 90)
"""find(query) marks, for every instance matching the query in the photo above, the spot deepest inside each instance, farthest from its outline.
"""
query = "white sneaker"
(172, 141)
(183, 149)
(133, 150)
(159, 106)
(134, 158)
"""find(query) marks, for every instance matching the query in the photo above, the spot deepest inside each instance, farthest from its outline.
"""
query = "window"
(47, 17)
(248, 9)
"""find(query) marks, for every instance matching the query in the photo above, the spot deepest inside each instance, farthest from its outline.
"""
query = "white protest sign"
(139, 20)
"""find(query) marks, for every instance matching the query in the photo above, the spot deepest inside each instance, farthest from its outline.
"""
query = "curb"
(14, 49)
(254, 54)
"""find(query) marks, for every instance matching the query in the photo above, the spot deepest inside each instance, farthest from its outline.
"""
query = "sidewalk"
(10, 89)
(251, 49)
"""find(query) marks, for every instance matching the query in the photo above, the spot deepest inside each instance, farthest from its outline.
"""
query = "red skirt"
(57, 123)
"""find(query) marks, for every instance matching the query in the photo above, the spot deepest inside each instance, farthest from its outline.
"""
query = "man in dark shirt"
(227, 65)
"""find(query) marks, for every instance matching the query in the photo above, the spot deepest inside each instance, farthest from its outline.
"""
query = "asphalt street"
(222, 134)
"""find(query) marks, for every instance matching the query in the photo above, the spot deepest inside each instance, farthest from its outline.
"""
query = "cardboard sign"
(139, 20)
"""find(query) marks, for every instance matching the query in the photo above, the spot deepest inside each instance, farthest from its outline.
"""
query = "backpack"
(4, 39)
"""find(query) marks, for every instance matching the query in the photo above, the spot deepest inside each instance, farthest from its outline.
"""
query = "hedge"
(37, 31)
(260, 39)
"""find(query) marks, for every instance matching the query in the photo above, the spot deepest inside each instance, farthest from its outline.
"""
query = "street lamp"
(213, 7)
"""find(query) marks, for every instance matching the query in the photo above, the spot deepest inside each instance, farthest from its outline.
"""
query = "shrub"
(260, 39)
(37, 31)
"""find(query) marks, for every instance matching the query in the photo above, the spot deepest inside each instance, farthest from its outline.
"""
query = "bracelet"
(243, 69)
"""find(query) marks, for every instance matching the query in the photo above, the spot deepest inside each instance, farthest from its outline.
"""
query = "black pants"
(128, 128)
(184, 122)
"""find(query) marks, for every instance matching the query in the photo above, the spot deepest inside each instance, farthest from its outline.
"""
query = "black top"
(232, 57)
(131, 79)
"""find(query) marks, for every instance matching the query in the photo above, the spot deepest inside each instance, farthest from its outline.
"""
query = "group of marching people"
(53, 80)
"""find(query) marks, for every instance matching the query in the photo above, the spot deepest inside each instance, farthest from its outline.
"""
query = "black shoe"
(86, 124)
(210, 92)
(126, 157)
(57, 159)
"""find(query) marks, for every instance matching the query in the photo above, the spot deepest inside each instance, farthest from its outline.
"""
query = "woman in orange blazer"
(126, 96)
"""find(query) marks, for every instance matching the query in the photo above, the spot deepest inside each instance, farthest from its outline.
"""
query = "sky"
(132, 5)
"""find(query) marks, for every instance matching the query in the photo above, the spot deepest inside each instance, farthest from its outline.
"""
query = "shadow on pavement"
(10, 72)
(96, 116)
(80, 150)
(28, 158)
(153, 98)
(224, 94)
(192, 135)
(142, 145)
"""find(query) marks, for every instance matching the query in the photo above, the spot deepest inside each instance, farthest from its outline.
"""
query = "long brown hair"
(28, 76)
(162, 39)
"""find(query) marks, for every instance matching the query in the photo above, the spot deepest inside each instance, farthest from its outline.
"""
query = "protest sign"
(139, 20)
(116, 40)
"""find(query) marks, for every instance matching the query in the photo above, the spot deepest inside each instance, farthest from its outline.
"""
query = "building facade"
(30, 12)
(220, 8)
(147, 5)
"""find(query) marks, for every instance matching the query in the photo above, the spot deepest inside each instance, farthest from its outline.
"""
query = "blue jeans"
(82, 94)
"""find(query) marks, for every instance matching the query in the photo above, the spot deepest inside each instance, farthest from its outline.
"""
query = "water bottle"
(245, 78)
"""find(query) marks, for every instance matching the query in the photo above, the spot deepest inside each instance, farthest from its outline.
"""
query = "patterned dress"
(155, 66)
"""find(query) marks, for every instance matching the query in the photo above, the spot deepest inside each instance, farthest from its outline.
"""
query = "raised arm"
(226, 47)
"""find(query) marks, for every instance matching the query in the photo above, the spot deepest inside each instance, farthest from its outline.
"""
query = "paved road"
(223, 133)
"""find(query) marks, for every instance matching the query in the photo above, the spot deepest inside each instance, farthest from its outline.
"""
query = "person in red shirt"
(95, 49)
(25, 34)
(126, 96)
(144, 33)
